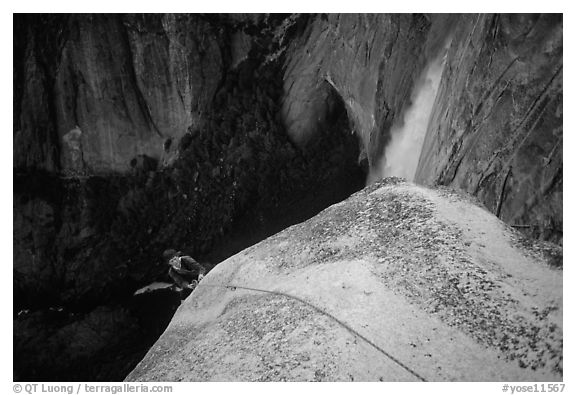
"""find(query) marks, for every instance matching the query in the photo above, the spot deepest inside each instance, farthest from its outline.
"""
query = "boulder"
(397, 283)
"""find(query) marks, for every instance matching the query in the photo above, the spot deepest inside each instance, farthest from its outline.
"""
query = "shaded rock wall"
(370, 60)
(100, 102)
(135, 133)
(114, 88)
(496, 130)
(184, 153)
(102, 92)
(150, 149)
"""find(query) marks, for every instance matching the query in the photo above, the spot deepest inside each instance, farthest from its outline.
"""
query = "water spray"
(401, 155)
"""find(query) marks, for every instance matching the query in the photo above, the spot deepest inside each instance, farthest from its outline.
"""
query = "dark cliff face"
(496, 131)
(370, 61)
(110, 88)
(496, 127)
(156, 132)
(164, 131)
(206, 133)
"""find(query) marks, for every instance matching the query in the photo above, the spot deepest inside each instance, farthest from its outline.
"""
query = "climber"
(184, 270)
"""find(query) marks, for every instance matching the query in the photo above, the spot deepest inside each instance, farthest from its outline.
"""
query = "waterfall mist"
(401, 155)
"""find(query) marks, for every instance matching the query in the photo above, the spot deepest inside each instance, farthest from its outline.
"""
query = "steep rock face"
(498, 108)
(137, 133)
(370, 61)
(104, 94)
(100, 101)
(496, 130)
(98, 96)
(190, 108)
(344, 55)
(398, 282)
(116, 87)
